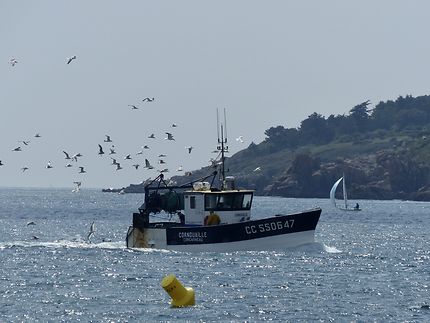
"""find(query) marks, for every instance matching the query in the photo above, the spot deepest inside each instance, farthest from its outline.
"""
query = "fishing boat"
(345, 206)
(204, 217)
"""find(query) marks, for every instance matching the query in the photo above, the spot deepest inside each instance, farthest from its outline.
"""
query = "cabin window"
(192, 202)
(227, 202)
(246, 202)
(210, 201)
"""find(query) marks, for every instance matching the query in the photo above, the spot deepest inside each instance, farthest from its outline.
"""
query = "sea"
(367, 266)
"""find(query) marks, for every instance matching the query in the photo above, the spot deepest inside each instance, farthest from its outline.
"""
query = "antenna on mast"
(222, 141)
(217, 124)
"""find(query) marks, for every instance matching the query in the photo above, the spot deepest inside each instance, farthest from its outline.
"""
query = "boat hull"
(275, 233)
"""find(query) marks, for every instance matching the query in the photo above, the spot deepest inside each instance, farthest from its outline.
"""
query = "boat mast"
(345, 197)
(222, 144)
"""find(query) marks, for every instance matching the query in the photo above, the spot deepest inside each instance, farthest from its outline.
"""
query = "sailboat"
(345, 196)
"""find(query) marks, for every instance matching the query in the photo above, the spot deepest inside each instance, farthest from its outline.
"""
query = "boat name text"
(270, 226)
(192, 236)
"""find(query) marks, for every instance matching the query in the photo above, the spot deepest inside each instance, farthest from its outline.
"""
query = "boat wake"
(79, 244)
(316, 247)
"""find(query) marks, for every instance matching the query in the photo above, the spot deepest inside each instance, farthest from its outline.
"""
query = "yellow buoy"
(181, 296)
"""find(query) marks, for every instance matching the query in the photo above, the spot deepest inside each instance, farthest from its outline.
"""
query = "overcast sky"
(268, 63)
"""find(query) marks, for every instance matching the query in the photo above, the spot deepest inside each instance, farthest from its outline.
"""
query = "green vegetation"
(384, 152)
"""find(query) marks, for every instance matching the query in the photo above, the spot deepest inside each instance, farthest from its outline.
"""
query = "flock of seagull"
(116, 162)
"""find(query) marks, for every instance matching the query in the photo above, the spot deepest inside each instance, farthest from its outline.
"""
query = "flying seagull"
(127, 157)
(118, 166)
(24, 169)
(17, 149)
(257, 169)
(81, 170)
(67, 155)
(37, 135)
(75, 156)
(1, 164)
(148, 100)
(49, 165)
(148, 165)
(91, 232)
(101, 152)
(180, 169)
(13, 61)
(133, 107)
(174, 125)
(112, 150)
(107, 139)
(25, 142)
(77, 187)
(71, 59)
(189, 148)
(31, 223)
(240, 139)
(169, 136)
(136, 166)
(151, 136)
(69, 165)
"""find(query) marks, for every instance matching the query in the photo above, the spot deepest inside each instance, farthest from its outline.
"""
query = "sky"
(267, 63)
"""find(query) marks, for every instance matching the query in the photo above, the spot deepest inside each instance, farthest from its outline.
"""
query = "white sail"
(333, 191)
(345, 197)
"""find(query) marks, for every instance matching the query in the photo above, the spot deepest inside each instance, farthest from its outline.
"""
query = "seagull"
(17, 149)
(69, 165)
(75, 157)
(91, 232)
(180, 169)
(148, 100)
(24, 169)
(49, 165)
(165, 170)
(71, 59)
(114, 162)
(107, 139)
(127, 157)
(112, 150)
(145, 147)
(257, 169)
(67, 155)
(136, 166)
(13, 61)
(77, 187)
(101, 152)
(37, 135)
(35, 238)
(25, 142)
(160, 161)
(133, 107)
(188, 173)
(151, 136)
(174, 125)
(1, 164)
(31, 223)
(118, 166)
(169, 136)
(190, 148)
(148, 165)
(81, 170)
(162, 155)
(240, 139)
